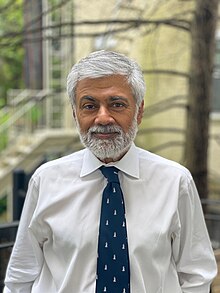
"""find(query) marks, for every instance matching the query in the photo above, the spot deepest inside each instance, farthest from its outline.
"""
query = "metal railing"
(7, 237)
(8, 234)
(27, 111)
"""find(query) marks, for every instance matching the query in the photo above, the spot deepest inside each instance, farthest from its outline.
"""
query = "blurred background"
(177, 44)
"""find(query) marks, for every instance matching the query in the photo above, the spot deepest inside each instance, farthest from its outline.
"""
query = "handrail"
(17, 96)
(6, 245)
(9, 225)
(209, 201)
(28, 111)
(17, 116)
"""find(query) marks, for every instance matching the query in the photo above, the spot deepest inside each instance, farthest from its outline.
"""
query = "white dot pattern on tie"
(113, 272)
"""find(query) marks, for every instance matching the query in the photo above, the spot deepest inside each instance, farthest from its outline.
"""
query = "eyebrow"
(116, 98)
(87, 98)
(111, 98)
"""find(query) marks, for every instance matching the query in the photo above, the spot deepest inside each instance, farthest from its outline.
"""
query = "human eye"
(88, 103)
(118, 105)
(88, 107)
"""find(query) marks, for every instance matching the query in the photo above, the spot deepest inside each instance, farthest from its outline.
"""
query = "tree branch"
(134, 23)
(170, 72)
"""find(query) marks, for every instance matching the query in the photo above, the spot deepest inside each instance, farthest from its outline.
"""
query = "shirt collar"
(128, 164)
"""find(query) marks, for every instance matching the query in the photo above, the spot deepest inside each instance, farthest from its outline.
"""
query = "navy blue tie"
(113, 271)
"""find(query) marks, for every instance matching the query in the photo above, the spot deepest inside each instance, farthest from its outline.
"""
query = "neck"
(110, 160)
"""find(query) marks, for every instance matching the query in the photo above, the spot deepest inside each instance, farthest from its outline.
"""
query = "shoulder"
(158, 164)
(60, 167)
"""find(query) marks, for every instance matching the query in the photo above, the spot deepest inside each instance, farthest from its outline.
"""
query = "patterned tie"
(113, 272)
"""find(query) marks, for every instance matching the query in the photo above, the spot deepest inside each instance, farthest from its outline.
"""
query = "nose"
(103, 116)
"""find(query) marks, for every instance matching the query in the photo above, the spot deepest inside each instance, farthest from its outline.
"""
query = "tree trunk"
(33, 67)
(203, 49)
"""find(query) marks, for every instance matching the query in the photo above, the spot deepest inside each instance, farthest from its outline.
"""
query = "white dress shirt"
(56, 245)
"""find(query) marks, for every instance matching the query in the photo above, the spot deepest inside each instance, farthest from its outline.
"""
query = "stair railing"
(27, 111)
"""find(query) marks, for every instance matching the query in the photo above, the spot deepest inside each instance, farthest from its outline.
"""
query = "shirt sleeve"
(192, 251)
(26, 259)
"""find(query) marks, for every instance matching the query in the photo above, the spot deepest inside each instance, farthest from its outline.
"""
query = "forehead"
(112, 84)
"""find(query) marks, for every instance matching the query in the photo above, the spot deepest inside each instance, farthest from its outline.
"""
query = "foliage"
(4, 137)
(11, 50)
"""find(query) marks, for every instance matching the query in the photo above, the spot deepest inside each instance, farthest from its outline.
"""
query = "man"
(166, 244)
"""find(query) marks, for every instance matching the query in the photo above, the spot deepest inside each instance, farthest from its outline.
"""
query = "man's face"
(107, 116)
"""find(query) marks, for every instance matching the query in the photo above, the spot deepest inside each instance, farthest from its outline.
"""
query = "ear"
(140, 113)
(74, 113)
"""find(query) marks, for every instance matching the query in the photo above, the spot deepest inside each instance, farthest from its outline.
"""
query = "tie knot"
(110, 173)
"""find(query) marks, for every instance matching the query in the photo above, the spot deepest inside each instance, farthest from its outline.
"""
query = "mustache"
(105, 129)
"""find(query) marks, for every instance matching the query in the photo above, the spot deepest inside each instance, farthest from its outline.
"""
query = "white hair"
(106, 63)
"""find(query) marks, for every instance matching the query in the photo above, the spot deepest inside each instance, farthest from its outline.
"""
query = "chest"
(69, 213)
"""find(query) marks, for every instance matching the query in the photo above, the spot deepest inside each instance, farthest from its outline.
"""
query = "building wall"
(161, 47)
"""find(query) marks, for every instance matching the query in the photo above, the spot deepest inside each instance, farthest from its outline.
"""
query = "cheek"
(126, 122)
(84, 123)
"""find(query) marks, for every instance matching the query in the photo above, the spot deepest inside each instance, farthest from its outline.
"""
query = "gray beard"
(108, 148)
